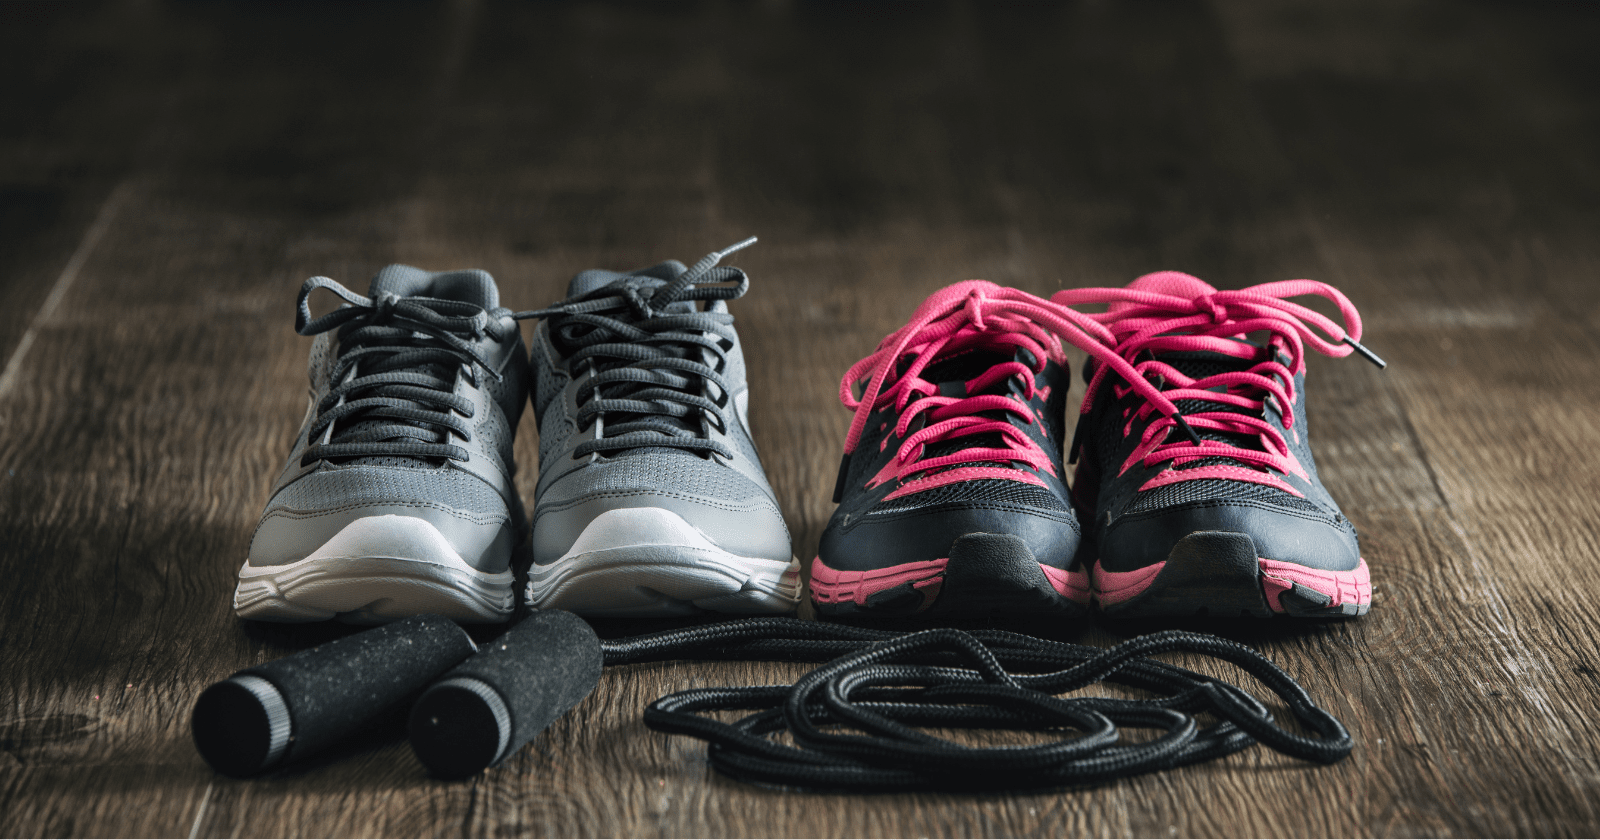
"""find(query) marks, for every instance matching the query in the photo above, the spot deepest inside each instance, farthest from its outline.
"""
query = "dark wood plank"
(78, 77)
(1436, 162)
(1477, 255)
(129, 493)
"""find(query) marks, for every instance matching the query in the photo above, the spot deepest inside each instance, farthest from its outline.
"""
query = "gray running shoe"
(651, 500)
(398, 497)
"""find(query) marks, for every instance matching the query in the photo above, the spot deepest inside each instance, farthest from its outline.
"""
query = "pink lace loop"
(973, 315)
(1172, 312)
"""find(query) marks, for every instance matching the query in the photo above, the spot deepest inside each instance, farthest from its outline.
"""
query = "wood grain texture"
(1435, 161)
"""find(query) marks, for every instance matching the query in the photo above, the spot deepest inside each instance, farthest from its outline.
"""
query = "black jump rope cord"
(858, 722)
(886, 684)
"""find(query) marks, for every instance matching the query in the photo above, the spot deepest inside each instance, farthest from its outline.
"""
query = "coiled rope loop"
(858, 722)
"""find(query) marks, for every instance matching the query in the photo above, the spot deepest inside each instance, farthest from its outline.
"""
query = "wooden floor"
(171, 172)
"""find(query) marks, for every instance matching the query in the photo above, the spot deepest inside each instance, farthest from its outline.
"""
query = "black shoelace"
(856, 722)
(656, 375)
(403, 401)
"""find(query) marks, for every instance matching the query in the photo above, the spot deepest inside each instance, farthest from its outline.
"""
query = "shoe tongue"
(588, 281)
(1194, 364)
(1174, 283)
(654, 277)
(1198, 365)
(964, 367)
(955, 371)
(598, 278)
(469, 286)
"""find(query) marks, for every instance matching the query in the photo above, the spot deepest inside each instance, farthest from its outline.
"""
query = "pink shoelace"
(1144, 322)
(975, 315)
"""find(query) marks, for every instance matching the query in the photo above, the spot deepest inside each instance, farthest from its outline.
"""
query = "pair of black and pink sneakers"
(1195, 490)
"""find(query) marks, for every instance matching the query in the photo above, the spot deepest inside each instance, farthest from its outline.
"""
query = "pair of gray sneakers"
(398, 496)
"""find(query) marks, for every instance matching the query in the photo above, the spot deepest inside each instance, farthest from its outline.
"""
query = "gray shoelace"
(405, 351)
(656, 375)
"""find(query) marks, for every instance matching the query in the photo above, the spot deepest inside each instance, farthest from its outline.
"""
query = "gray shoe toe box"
(752, 528)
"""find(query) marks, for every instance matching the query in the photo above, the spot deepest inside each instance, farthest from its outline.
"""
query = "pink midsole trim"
(1074, 585)
(1277, 577)
(1116, 587)
(832, 586)
(1352, 587)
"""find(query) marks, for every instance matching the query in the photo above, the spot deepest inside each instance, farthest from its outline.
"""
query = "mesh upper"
(742, 441)
(665, 470)
(983, 491)
(1200, 366)
(555, 426)
(554, 433)
(653, 468)
(321, 363)
(403, 480)
(656, 469)
(512, 386)
(1110, 443)
(490, 427)
(963, 366)
(360, 486)
(547, 380)
(1222, 490)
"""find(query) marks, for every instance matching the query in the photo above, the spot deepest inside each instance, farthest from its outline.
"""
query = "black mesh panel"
(1217, 489)
(989, 491)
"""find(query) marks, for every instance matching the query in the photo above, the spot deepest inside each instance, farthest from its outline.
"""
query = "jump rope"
(857, 723)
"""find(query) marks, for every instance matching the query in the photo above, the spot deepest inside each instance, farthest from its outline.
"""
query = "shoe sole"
(1218, 574)
(986, 575)
(650, 562)
(377, 569)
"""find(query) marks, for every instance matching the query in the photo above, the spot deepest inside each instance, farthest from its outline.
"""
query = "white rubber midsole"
(650, 561)
(376, 568)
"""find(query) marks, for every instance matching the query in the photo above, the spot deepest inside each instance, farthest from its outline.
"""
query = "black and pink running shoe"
(953, 500)
(1234, 523)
